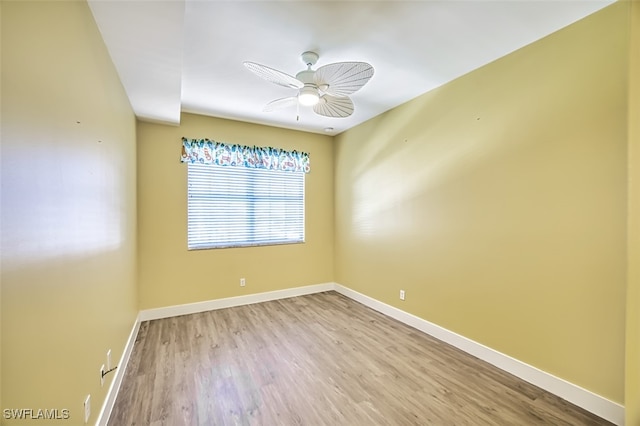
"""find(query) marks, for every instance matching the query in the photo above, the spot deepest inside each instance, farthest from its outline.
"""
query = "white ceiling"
(175, 56)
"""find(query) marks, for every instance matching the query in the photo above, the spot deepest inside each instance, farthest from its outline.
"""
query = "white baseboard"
(229, 302)
(112, 393)
(581, 397)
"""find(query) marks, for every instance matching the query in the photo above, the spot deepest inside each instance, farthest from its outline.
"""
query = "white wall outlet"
(109, 359)
(401, 294)
(242, 282)
(87, 408)
(102, 375)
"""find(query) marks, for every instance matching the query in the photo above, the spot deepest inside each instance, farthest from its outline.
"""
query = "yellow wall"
(498, 202)
(169, 274)
(68, 220)
(632, 374)
(1, 219)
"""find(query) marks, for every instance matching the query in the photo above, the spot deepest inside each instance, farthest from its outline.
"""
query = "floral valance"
(205, 151)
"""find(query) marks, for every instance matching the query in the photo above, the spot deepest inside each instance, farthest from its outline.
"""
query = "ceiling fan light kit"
(326, 89)
(308, 96)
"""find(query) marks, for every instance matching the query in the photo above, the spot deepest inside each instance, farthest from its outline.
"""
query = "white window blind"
(239, 206)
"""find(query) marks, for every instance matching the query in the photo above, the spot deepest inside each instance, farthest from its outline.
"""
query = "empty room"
(320, 212)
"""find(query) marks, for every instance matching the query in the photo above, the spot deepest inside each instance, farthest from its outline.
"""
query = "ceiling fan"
(326, 89)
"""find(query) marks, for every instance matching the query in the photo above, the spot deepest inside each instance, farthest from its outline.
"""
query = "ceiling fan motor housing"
(308, 94)
(306, 77)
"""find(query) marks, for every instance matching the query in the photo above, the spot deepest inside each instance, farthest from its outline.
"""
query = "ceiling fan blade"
(274, 76)
(335, 107)
(280, 103)
(343, 78)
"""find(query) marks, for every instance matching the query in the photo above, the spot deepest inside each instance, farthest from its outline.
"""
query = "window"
(240, 206)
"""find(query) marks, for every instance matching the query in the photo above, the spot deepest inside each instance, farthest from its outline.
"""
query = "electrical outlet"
(109, 359)
(401, 294)
(102, 375)
(242, 282)
(87, 409)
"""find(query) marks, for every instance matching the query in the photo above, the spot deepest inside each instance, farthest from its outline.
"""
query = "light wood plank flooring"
(321, 359)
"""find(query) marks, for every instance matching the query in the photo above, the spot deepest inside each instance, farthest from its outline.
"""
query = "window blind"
(239, 206)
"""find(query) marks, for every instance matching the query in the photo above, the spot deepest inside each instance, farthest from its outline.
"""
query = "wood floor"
(314, 360)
